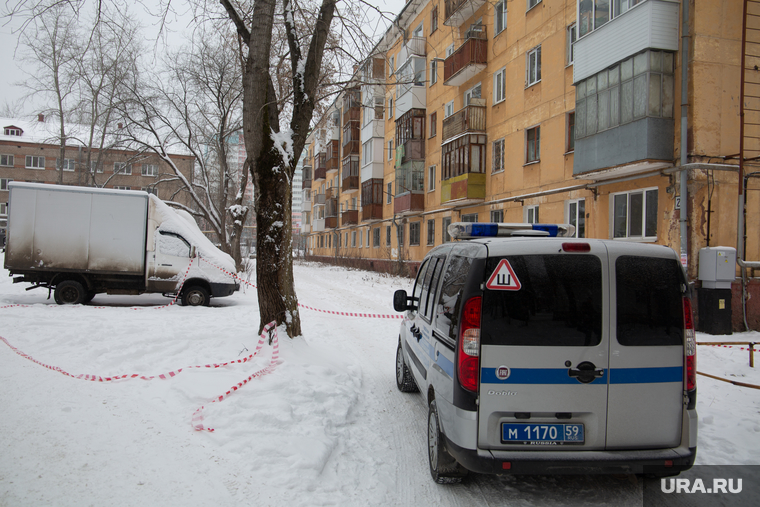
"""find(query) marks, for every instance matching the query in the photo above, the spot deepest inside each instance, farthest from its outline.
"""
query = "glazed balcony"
(459, 11)
(331, 213)
(415, 46)
(468, 60)
(306, 175)
(318, 225)
(332, 156)
(410, 188)
(471, 118)
(350, 174)
(352, 105)
(320, 166)
(413, 149)
(372, 199)
(319, 199)
(331, 193)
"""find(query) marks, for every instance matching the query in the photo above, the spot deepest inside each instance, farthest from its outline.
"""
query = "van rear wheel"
(443, 467)
(69, 292)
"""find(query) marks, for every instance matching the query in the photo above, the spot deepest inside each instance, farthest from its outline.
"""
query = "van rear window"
(559, 302)
(649, 301)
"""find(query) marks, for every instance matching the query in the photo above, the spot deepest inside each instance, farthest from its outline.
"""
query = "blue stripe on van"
(646, 375)
(446, 365)
(560, 376)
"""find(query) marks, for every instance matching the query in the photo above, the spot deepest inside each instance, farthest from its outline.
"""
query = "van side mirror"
(402, 302)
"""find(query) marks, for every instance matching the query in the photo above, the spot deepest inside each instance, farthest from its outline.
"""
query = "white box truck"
(82, 241)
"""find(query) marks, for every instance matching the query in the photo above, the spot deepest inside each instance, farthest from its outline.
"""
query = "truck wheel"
(70, 292)
(443, 467)
(404, 380)
(195, 296)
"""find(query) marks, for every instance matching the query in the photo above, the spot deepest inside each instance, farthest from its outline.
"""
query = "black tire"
(443, 467)
(195, 295)
(70, 292)
(90, 295)
(404, 380)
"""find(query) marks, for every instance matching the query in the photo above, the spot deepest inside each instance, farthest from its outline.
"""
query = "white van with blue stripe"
(538, 353)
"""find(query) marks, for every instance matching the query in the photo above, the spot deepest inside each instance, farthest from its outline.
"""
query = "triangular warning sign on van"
(503, 278)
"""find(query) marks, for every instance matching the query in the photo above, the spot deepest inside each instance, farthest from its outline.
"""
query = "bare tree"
(52, 47)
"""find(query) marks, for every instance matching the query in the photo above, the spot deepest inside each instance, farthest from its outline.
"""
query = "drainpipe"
(684, 132)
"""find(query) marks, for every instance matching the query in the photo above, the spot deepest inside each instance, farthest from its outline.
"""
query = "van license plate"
(542, 434)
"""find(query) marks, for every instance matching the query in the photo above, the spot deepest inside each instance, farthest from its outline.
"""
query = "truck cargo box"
(59, 228)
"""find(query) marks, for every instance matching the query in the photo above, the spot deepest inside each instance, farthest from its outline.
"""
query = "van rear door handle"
(586, 372)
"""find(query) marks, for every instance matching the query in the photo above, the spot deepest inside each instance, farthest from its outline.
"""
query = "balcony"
(331, 213)
(413, 149)
(468, 60)
(306, 175)
(305, 228)
(319, 199)
(320, 166)
(459, 11)
(408, 203)
(331, 193)
(352, 105)
(468, 188)
(415, 46)
(350, 174)
(372, 199)
(471, 118)
(349, 217)
(318, 225)
(306, 199)
(410, 188)
(332, 156)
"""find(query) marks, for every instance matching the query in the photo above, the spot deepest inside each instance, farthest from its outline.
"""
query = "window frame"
(431, 232)
(497, 216)
(448, 106)
(530, 212)
(570, 132)
(499, 17)
(433, 71)
(500, 86)
(4, 183)
(143, 171)
(433, 124)
(572, 36)
(494, 147)
(574, 217)
(10, 160)
(31, 159)
(533, 72)
(536, 157)
(127, 167)
(431, 178)
(389, 193)
(415, 229)
(645, 213)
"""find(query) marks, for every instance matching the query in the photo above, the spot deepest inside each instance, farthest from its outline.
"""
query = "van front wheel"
(195, 296)
(443, 467)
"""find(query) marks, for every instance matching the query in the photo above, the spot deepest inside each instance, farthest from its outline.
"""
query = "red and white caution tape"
(197, 420)
(331, 312)
(724, 346)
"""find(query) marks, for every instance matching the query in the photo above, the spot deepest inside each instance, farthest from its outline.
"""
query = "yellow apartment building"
(570, 111)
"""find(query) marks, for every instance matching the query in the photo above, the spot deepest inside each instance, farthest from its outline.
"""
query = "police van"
(541, 353)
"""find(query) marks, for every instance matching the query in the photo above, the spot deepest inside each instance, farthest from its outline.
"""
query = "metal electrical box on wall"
(717, 267)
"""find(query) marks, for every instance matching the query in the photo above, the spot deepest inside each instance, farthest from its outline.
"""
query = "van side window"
(173, 244)
(416, 293)
(559, 302)
(649, 301)
(429, 286)
(449, 303)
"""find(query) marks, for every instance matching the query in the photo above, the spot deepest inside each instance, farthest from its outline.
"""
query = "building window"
(10, 131)
(389, 193)
(576, 216)
(353, 239)
(3, 208)
(533, 66)
(387, 235)
(448, 109)
(6, 160)
(472, 93)
(533, 145)
(392, 65)
(498, 156)
(35, 162)
(500, 17)
(390, 108)
(69, 164)
(533, 3)
(367, 237)
(376, 237)
(390, 149)
(531, 214)
(497, 216)
(431, 178)
(593, 15)
(367, 152)
(471, 217)
(149, 170)
(431, 232)
(4, 183)
(150, 190)
(434, 20)
(400, 235)
(445, 223)
(433, 72)
(571, 131)
(122, 168)
(433, 124)
(635, 214)
(572, 36)
(119, 187)
(414, 234)
(500, 85)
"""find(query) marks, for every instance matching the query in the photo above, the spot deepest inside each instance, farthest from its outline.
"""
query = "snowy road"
(328, 427)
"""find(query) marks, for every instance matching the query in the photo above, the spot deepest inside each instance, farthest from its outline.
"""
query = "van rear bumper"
(219, 290)
(586, 462)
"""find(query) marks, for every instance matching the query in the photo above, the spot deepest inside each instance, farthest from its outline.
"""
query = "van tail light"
(468, 358)
(690, 339)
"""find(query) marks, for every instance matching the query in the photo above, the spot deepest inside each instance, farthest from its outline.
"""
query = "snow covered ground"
(327, 427)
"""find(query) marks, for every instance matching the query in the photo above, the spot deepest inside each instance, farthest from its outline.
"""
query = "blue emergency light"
(465, 230)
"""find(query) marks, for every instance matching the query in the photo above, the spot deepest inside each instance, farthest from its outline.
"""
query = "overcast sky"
(12, 74)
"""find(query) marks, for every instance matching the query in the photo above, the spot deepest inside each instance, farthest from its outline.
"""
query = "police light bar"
(466, 230)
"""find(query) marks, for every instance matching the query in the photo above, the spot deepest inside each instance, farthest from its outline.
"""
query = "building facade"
(28, 152)
(567, 111)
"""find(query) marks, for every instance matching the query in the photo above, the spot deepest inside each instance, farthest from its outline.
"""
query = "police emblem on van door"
(502, 373)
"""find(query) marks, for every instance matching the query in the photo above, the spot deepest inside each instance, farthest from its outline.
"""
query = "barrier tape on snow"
(197, 420)
(331, 312)
(728, 345)
(734, 382)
